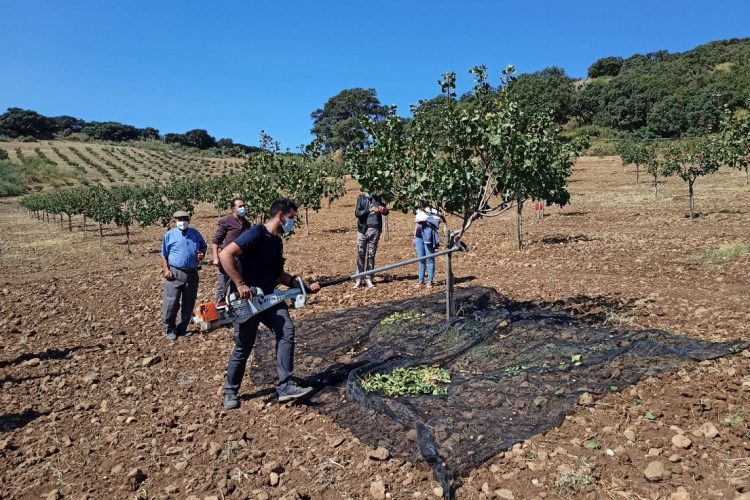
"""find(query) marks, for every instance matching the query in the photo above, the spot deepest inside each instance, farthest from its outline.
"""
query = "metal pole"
(458, 247)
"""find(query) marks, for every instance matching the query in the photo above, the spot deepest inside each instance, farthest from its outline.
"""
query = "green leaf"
(591, 445)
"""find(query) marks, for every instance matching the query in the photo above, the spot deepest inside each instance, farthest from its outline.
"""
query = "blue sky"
(236, 67)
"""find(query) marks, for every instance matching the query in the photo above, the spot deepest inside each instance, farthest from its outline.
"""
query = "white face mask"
(182, 225)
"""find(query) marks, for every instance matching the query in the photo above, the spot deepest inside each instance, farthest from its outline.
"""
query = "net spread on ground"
(499, 374)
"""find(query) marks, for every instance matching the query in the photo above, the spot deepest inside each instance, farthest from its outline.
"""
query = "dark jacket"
(365, 219)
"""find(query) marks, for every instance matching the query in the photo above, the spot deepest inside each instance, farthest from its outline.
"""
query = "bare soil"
(96, 403)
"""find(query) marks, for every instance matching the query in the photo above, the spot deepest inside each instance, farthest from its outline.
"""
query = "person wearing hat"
(182, 250)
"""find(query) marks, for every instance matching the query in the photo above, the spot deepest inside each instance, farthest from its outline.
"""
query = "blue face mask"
(242, 211)
(288, 226)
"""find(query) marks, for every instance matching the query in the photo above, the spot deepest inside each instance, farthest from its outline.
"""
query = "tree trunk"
(307, 223)
(70, 224)
(61, 221)
(637, 173)
(127, 237)
(747, 176)
(84, 223)
(450, 307)
(690, 200)
(656, 187)
(101, 234)
(519, 225)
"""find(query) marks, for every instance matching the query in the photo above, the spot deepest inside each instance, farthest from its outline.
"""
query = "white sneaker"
(368, 283)
(357, 284)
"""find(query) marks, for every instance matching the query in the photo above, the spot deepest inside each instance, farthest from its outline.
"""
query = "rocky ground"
(96, 403)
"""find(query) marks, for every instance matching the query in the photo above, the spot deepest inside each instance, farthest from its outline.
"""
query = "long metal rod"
(459, 247)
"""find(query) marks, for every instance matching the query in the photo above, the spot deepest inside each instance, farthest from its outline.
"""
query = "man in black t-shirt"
(255, 259)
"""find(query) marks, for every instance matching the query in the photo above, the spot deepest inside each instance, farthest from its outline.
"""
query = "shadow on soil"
(49, 354)
(13, 421)
(561, 240)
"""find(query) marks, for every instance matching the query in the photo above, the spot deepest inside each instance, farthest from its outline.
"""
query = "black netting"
(516, 369)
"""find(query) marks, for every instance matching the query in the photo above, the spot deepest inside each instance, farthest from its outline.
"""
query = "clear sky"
(236, 67)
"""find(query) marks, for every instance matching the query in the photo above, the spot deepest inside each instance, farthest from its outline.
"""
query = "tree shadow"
(12, 421)
(49, 354)
(573, 214)
(561, 240)
(338, 230)
(10, 379)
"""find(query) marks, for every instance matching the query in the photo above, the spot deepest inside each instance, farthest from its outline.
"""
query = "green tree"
(655, 168)
(342, 122)
(636, 153)
(536, 162)
(735, 143)
(17, 122)
(691, 161)
(606, 66)
(198, 138)
(547, 91)
(310, 178)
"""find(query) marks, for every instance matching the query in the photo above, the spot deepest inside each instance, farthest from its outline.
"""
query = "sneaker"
(357, 284)
(171, 336)
(368, 283)
(291, 390)
(430, 284)
(231, 402)
(418, 284)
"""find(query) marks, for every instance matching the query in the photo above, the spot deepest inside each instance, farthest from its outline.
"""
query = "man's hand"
(245, 292)
(201, 255)
(315, 287)
(167, 274)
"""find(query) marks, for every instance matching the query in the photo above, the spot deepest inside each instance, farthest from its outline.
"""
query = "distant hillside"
(660, 94)
(26, 166)
(27, 125)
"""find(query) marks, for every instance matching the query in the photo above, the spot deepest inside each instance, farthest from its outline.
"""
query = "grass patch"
(727, 251)
(16, 177)
(408, 381)
(734, 418)
(572, 482)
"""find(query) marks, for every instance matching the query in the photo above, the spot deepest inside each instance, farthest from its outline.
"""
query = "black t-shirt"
(262, 259)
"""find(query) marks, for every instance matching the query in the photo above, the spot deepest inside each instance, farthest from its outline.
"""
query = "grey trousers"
(183, 288)
(222, 282)
(278, 321)
(367, 247)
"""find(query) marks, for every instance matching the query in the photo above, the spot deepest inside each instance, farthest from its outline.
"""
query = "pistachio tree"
(689, 162)
(655, 168)
(735, 143)
(635, 153)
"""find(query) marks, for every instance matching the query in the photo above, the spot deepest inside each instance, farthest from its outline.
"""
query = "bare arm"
(215, 253)
(228, 258)
(165, 269)
(289, 280)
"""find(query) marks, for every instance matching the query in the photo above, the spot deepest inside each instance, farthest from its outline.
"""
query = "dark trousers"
(222, 282)
(182, 288)
(278, 321)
